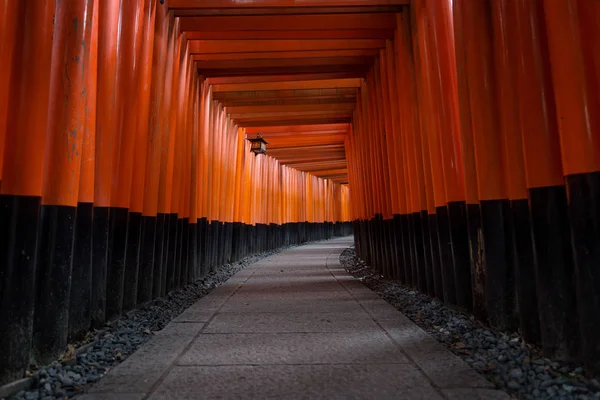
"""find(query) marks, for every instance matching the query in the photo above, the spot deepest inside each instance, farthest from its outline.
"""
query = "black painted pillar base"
(391, 256)
(498, 262)
(53, 282)
(214, 245)
(415, 246)
(148, 274)
(182, 270)
(222, 244)
(424, 272)
(19, 233)
(176, 268)
(117, 254)
(81, 276)
(477, 260)
(559, 322)
(400, 224)
(584, 213)
(203, 240)
(192, 268)
(170, 244)
(132, 264)
(435, 288)
(100, 229)
(524, 272)
(446, 260)
(459, 236)
(236, 243)
(228, 242)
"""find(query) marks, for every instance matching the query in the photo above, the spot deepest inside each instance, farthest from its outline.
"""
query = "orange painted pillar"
(128, 51)
(80, 305)
(141, 230)
(383, 167)
(22, 181)
(432, 118)
(158, 232)
(475, 237)
(415, 193)
(8, 31)
(514, 172)
(425, 224)
(397, 157)
(489, 158)
(573, 40)
(157, 248)
(62, 167)
(108, 36)
(544, 175)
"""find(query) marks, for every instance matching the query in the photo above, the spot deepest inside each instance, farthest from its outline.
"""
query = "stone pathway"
(295, 326)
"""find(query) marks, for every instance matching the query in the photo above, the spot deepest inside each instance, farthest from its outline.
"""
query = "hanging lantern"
(258, 145)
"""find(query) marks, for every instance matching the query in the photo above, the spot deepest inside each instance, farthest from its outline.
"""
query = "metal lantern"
(258, 145)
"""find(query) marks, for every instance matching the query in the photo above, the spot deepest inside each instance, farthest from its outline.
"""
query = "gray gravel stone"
(121, 338)
(513, 385)
(502, 357)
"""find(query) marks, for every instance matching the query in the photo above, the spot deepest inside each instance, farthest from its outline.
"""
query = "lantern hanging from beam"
(258, 145)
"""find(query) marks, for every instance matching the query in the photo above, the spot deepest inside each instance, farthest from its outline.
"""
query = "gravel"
(504, 358)
(86, 362)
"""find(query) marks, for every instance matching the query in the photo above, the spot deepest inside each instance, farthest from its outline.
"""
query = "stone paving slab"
(369, 381)
(305, 322)
(295, 326)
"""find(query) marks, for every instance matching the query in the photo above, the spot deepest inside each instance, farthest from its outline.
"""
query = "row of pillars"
(475, 165)
(121, 179)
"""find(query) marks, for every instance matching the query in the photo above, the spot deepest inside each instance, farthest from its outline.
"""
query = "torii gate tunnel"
(458, 139)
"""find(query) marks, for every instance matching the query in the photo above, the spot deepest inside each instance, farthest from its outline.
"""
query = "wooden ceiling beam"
(263, 55)
(288, 22)
(237, 92)
(290, 108)
(284, 62)
(358, 70)
(290, 102)
(251, 46)
(295, 35)
(282, 78)
(298, 122)
(305, 128)
(228, 4)
(279, 86)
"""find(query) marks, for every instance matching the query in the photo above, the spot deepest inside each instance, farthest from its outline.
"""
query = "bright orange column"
(544, 176)
(514, 170)
(8, 31)
(428, 159)
(572, 34)
(62, 167)
(489, 156)
(22, 181)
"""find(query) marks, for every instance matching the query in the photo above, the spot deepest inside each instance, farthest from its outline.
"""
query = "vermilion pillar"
(431, 120)
(141, 228)
(476, 258)
(8, 31)
(128, 51)
(573, 40)
(108, 36)
(443, 60)
(62, 166)
(22, 182)
(514, 170)
(544, 175)
(420, 193)
(80, 303)
(489, 159)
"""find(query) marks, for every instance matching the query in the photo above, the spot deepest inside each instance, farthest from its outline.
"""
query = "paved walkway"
(293, 326)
